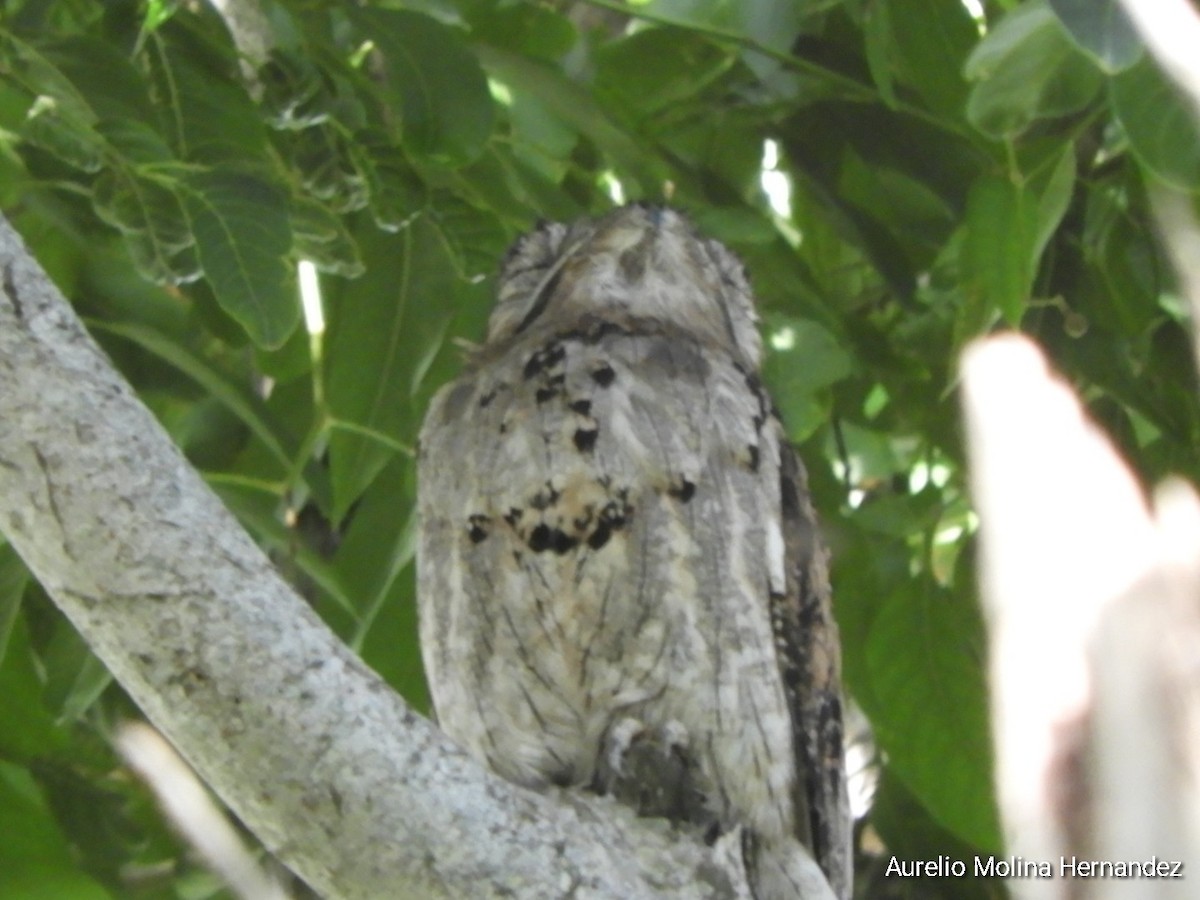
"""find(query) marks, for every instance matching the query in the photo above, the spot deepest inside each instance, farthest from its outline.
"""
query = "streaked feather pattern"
(617, 549)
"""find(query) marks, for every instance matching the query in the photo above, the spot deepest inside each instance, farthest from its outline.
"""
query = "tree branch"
(355, 792)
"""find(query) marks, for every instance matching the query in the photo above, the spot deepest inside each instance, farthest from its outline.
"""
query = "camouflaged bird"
(621, 583)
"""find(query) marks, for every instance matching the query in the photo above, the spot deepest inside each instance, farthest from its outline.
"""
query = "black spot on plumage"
(546, 358)
(604, 375)
(583, 407)
(585, 439)
(477, 529)
(544, 538)
(684, 491)
(600, 536)
(752, 450)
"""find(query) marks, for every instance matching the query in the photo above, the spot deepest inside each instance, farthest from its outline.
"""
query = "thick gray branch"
(358, 794)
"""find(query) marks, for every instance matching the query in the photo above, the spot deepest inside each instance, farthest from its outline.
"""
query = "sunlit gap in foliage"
(975, 9)
(783, 339)
(777, 185)
(500, 92)
(310, 298)
(862, 769)
(314, 320)
(844, 473)
(359, 56)
(612, 184)
(925, 473)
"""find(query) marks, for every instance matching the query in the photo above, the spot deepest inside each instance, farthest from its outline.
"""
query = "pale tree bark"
(352, 790)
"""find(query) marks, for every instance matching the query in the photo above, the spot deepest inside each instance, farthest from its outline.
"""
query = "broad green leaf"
(203, 108)
(1054, 193)
(76, 678)
(380, 541)
(382, 328)
(137, 141)
(36, 861)
(640, 76)
(295, 91)
(103, 76)
(1027, 69)
(326, 165)
(765, 22)
(1160, 125)
(576, 107)
(803, 360)
(67, 137)
(432, 83)
(925, 659)
(475, 239)
(880, 49)
(13, 579)
(929, 43)
(909, 831)
(1102, 29)
(1001, 228)
(240, 223)
(534, 31)
(149, 213)
(237, 398)
(321, 237)
(395, 193)
(27, 728)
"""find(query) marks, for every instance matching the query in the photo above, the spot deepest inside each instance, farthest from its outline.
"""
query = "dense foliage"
(952, 168)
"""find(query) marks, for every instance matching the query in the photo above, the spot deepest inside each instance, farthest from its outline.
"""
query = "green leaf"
(803, 361)
(641, 75)
(27, 728)
(395, 193)
(203, 108)
(1027, 69)
(295, 91)
(382, 329)
(764, 22)
(1101, 29)
(237, 398)
(322, 237)
(576, 107)
(432, 83)
(240, 223)
(534, 31)
(925, 660)
(1054, 193)
(379, 544)
(103, 76)
(13, 579)
(149, 213)
(67, 137)
(1001, 227)
(1159, 123)
(475, 239)
(36, 861)
(929, 42)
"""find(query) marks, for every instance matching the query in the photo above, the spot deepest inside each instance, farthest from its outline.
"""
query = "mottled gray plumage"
(621, 583)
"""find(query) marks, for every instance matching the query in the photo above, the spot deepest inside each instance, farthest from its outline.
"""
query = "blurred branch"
(197, 818)
(1091, 599)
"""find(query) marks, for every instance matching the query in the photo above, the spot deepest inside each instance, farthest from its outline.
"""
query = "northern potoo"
(621, 584)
